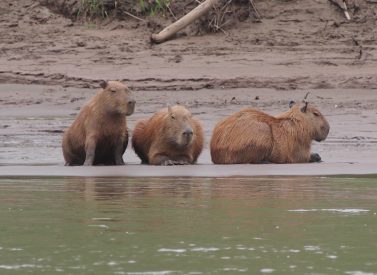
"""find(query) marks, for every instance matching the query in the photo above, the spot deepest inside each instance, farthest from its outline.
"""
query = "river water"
(282, 225)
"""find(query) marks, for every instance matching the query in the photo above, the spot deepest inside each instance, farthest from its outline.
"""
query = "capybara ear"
(103, 84)
(303, 109)
(291, 103)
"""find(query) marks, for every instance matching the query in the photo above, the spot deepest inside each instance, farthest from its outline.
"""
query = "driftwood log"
(183, 22)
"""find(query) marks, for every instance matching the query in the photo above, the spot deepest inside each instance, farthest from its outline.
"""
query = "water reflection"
(210, 225)
(255, 190)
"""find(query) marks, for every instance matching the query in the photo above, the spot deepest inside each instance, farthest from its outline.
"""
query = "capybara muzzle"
(130, 107)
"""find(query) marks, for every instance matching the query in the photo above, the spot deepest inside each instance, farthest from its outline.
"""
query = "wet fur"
(158, 139)
(102, 121)
(251, 136)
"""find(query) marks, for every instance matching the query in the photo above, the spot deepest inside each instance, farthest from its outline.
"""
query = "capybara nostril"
(188, 132)
(131, 102)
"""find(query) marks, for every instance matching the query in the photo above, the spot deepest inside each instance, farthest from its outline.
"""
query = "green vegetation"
(90, 9)
(153, 7)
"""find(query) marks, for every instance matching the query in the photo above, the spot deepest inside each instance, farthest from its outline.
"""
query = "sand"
(50, 66)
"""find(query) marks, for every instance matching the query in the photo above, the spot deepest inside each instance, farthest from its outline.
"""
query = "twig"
(255, 9)
(133, 16)
(224, 32)
(171, 12)
(32, 6)
(346, 10)
(343, 6)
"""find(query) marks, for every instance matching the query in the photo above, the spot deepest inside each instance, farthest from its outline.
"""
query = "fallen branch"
(183, 22)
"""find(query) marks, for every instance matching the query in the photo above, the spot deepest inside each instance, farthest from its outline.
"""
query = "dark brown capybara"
(99, 133)
(172, 136)
(251, 136)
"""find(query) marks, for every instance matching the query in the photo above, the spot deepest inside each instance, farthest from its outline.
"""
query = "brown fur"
(99, 133)
(159, 140)
(251, 136)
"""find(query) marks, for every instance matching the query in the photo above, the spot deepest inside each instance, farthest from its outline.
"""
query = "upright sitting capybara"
(251, 136)
(172, 136)
(99, 133)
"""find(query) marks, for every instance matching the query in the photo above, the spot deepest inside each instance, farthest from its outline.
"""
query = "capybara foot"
(120, 162)
(88, 163)
(170, 162)
(314, 157)
(182, 162)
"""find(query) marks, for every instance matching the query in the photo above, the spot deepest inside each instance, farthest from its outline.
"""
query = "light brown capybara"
(99, 133)
(251, 136)
(172, 136)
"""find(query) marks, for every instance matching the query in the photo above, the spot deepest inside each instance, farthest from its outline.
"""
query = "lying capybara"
(172, 136)
(251, 136)
(99, 133)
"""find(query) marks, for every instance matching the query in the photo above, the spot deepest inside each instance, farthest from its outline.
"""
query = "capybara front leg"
(314, 157)
(119, 150)
(90, 151)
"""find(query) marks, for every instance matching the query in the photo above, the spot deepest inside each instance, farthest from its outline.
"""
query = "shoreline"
(193, 171)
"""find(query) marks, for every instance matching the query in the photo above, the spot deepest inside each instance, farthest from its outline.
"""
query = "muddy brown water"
(278, 225)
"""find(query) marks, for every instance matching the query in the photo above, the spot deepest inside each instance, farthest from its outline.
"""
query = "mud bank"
(299, 45)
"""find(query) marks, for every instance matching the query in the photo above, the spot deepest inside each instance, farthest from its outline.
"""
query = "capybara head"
(116, 98)
(312, 118)
(178, 128)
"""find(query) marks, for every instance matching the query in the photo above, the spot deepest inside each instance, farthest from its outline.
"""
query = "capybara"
(172, 136)
(99, 133)
(251, 136)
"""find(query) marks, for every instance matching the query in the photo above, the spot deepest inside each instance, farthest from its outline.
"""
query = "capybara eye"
(172, 117)
(316, 113)
(113, 91)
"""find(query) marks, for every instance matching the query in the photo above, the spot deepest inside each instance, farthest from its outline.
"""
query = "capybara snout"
(322, 131)
(131, 107)
(187, 136)
(183, 132)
